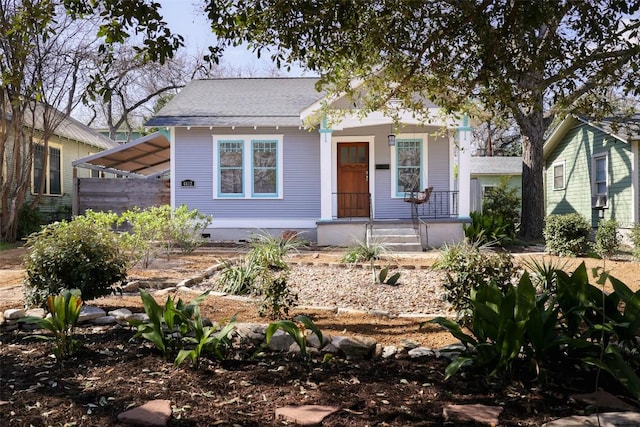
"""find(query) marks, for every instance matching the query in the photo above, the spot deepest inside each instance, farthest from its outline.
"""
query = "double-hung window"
(408, 166)
(248, 166)
(47, 165)
(599, 176)
(558, 176)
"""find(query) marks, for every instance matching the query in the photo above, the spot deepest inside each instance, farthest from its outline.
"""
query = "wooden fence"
(118, 194)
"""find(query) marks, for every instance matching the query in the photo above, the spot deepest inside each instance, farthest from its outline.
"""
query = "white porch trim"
(464, 168)
(263, 223)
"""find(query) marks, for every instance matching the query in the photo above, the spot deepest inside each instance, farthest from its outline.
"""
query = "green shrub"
(567, 235)
(64, 310)
(30, 220)
(185, 229)
(488, 228)
(79, 254)
(635, 240)
(607, 238)
(369, 250)
(503, 202)
(264, 272)
(467, 266)
(145, 231)
(518, 332)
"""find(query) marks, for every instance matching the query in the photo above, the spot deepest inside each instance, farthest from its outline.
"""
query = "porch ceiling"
(146, 157)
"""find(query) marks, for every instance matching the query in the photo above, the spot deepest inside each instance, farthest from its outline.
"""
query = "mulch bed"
(110, 375)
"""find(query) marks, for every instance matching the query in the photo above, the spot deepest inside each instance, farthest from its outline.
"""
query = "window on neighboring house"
(249, 166)
(558, 176)
(599, 177)
(49, 166)
(408, 165)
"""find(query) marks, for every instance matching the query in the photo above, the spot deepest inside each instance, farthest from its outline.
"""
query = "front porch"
(418, 227)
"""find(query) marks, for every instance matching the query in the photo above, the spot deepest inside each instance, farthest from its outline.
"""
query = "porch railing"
(441, 204)
(353, 205)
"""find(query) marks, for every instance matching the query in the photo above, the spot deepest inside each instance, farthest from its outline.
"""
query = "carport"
(138, 166)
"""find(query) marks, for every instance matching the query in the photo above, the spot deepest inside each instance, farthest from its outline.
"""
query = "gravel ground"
(419, 291)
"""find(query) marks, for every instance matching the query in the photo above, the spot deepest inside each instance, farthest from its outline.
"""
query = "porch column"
(326, 199)
(464, 168)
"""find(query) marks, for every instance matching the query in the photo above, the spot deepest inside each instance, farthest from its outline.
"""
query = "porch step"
(398, 237)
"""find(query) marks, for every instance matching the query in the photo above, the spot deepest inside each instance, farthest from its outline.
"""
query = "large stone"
(606, 419)
(306, 415)
(281, 341)
(418, 352)
(89, 312)
(356, 347)
(36, 312)
(14, 313)
(104, 320)
(253, 333)
(389, 351)
(313, 341)
(153, 413)
(120, 313)
(477, 413)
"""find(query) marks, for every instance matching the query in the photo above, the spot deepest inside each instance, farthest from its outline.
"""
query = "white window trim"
(594, 159)
(247, 161)
(47, 170)
(423, 166)
(564, 175)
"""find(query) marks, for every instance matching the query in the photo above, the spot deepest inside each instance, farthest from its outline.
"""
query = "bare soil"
(112, 374)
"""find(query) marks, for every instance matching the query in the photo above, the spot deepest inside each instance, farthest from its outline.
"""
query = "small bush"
(635, 239)
(607, 238)
(488, 229)
(567, 235)
(30, 220)
(467, 267)
(79, 254)
(503, 202)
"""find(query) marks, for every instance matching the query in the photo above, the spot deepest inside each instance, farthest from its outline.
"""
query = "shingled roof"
(239, 102)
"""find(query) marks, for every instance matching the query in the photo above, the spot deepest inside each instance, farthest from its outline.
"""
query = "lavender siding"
(301, 189)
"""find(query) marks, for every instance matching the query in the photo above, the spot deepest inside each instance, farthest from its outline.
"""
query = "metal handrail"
(441, 204)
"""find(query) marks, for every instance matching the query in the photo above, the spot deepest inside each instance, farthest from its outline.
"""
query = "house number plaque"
(188, 183)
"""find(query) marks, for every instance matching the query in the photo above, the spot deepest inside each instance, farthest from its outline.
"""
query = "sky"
(184, 19)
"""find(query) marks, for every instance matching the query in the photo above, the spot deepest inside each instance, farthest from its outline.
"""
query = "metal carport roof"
(146, 157)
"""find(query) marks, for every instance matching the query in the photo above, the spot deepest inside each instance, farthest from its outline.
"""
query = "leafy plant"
(567, 234)
(296, 329)
(543, 273)
(277, 298)
(176, 325)
(503, 202)
(607, 238)
(263, 271)
(30, 220)
(205, 340)
(369, 250)
(185, 228)
(514, 327)
(635, 240)
(488, 228)
(64, 310)
(80, 254)
(467, 266)
(145, 229)
(391, 280)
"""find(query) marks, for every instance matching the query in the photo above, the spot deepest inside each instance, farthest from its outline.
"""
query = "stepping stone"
(36, 312)
(14, 313)
(120, 313)
(603, 399)
(481, 414)
(356, 347)
(89, 312)
(606, 419)
(306, 415)
(152, 413)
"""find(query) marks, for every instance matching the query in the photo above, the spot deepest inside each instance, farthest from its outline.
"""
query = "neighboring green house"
(486, 173)
(591, 168)
(71, 140)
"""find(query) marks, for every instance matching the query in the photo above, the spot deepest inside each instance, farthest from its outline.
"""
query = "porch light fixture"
(391, 139)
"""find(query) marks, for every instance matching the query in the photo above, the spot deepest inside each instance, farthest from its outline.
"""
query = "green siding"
(576, 149)
(57, 207)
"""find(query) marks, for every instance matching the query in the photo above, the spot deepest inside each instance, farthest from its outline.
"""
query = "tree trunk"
(532, 129)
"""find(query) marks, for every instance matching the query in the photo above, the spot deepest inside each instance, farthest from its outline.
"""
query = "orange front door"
(353, 179)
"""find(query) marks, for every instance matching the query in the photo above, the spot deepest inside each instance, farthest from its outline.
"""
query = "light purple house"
(260, 154)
